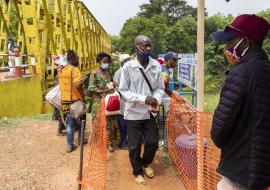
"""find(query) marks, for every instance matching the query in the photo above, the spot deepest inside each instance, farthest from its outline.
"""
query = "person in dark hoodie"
(241, 122)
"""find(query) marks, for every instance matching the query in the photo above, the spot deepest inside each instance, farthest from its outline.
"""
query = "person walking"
(241, 122)
(11, 59)
(142, 87)
(60, 62)
(99, 87)
(170, 62)
(123, 58)
(71, 82)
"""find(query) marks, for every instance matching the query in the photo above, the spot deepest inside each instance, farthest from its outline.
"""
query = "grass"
(210, 101)
(14, 122)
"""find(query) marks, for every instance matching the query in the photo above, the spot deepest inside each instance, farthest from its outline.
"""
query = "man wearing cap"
(241, 122)
(170, 60)
(11, 62)
(123, 58)
(142, 87)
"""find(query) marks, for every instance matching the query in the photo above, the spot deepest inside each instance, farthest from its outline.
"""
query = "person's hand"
(106, 90)
(85, 78)
(155, 109)
(110, 85)
(115, 85)
(151, 101)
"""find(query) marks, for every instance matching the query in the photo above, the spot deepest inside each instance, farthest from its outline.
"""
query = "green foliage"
(181, 37)
(14, 22)
(116, 43)
(114, 66)
(266, 14)
(154, 27)
(172, 26)
(211, 102)
(173, 10)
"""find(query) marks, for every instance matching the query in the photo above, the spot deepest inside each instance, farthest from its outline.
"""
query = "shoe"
(71, 149)
(123, 145)
(85, 141)
(139, 180)
(111, 148)
(149, 172)
(60, 132)
(161, 143)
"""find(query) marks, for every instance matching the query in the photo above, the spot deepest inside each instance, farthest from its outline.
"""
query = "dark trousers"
(137, 130)
(123, 130)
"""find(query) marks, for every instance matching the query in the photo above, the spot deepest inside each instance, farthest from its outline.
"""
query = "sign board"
(187, 70)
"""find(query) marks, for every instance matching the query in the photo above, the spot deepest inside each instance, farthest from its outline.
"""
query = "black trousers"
(137, 131)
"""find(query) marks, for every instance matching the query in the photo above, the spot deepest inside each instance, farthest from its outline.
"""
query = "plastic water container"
(186, 146)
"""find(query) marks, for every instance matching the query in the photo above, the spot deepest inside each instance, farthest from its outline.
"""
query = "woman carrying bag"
(100, 85)
(71, 83)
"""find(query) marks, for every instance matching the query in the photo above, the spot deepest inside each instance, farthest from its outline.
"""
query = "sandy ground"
(33, 157)
(121, 178)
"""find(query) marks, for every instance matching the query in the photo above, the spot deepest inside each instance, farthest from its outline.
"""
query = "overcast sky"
(112, 14)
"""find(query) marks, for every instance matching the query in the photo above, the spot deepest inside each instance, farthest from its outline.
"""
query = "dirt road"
(33, 157)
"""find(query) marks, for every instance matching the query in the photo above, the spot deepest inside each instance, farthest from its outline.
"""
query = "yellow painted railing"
(45, 27)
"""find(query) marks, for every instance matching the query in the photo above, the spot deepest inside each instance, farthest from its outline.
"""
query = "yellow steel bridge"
(42, 28)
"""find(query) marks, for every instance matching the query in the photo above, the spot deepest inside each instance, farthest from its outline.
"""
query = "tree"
(266, 15)
(116, 43)
(173, 10)
(171, 24)
(155, 28)
(182, 36)
(216, 23)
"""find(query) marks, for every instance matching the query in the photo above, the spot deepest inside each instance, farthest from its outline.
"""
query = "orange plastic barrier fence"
(95, 159)
(189, 144)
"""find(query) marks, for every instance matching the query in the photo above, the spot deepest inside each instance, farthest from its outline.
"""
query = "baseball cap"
(10, 38)
(160, 60)
(123, 58)
(170, 55)
(251, 26)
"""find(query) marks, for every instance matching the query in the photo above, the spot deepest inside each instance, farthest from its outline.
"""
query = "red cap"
(251, 26)
(160, 60)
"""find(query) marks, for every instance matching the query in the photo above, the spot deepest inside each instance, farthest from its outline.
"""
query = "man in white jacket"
(142, 87)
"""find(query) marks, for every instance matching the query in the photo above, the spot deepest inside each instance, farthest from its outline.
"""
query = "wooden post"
(200, 50)
(200, 90)
(18, 72)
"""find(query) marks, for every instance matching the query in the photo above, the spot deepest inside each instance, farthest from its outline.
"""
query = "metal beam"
(62, 24)
(4, 20)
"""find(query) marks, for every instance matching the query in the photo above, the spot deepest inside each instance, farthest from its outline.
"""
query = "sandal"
(149, 172)
(139, 179)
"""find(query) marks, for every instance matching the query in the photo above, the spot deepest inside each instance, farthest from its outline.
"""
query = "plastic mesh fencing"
(95, 159)
(190, 146)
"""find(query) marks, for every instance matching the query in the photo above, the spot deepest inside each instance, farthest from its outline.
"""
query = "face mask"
(104, 66)
(233, 55)
(144, 54)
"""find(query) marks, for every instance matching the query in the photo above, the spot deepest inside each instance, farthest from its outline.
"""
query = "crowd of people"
(141, 82)
(241, 121)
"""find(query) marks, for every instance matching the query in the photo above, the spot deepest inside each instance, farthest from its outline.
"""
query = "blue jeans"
(71, 122)
(123, 131)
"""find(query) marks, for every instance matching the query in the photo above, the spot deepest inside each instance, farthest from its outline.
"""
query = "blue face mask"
(144, 54)
(104, 66)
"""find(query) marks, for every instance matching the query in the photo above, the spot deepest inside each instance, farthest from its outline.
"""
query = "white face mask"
(233, 55)
(105, 66)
